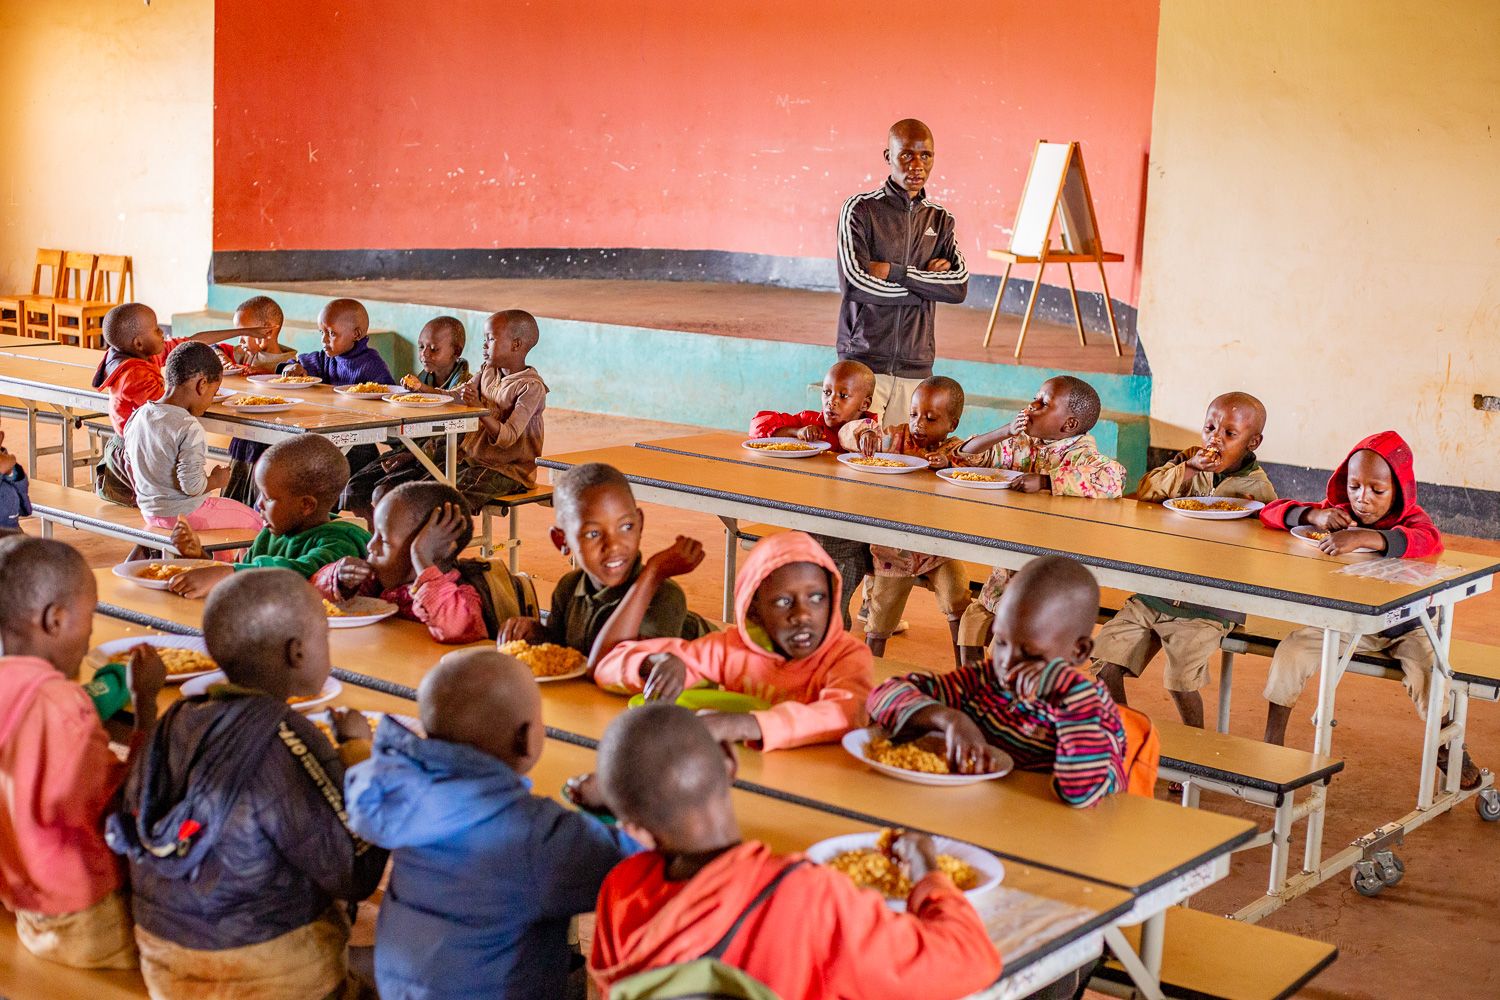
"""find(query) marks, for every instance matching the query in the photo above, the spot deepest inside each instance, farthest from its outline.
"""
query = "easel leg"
(1077, 313)
(1109, 309)
(995, 312)
(1030, 305)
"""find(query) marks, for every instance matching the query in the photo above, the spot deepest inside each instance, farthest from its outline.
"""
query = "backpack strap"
(718, 950)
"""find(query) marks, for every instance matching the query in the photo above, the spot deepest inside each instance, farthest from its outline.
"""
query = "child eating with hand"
(56, 873)
(1050, 442)
(298, 480)
(412, 561)
(1033, 699)
(440, 348)
(15, 493)
(233, 820)
(485, 874)
(802, 930)
(1225, 466)
(260, 353)
(787, 647)
(598, 524)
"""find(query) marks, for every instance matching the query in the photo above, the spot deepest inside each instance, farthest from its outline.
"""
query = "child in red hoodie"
(1371, 506)
(814, 936)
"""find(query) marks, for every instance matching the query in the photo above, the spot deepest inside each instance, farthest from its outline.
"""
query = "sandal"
(1470, 775)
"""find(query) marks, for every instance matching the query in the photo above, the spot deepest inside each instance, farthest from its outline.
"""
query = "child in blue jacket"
(486, 875)
(15, 495)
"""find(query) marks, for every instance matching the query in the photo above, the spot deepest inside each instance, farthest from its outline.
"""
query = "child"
(15, 494)
(499, 458)
(786, 647)
(298, 481)
(598, 525)
(413, 562)
(1371, 504)
(485, 875)
(848, 389)
(1225, 466)
(806, 931)
(165, 449)
(131, 371)
(1051, 443)
(56, 873)
(259, 353)
(936, 408)
(232, 820)
(440, 348)
(1031, 700)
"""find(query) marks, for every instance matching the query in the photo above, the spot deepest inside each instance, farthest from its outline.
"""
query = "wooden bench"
(74, 508)
(1207, 956)
(23, 976)
(509, 508)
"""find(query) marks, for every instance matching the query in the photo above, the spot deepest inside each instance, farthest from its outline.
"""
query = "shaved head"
(36, 572)
(487, 700)
(124, 323)
(857, 372)
(1251, 410)
(312, 463)
(266, 629)
(1058, 587)
(516, 323)
(659, 769)
(1046, 613)
(910, 129)
(347, 310)
(262, 310)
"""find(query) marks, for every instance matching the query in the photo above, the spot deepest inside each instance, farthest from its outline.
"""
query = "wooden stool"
(82, 319)
(13, 307)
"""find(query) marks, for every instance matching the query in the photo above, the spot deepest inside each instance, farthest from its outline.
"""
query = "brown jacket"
(1177, 479)
(518, 399)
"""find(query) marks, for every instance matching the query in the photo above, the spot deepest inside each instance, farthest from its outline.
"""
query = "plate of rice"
(248, 403)
(920, 761)
(548, 661)
(1213, 508)
(357, 612)
(302, 703)
(186, 656)
(156, 574)
(864, 859)
(1312, 536)
(366, 390)
(419, 400)
(785, 447)
(284, 379)
(323, 719)
(980, 479)
(883, 463)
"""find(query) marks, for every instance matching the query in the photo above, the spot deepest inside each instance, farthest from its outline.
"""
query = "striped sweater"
(1068, 725)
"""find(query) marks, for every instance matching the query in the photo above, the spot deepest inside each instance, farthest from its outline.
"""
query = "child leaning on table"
(15, 493)
(413, 561)
(1371, 504)
(56, 873)
(597, 523)
(241, 863)
(165, 449)
(1224, 466)
(1033, 699)
(298, 480)
(786, 647)
(1050, 442)
(260, 352)
(485, 874)
(131, 372)
(807, 931)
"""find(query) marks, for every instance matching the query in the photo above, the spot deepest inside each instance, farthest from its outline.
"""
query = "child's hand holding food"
(869, 442)
(185, 541)
(1340, 543)
(967, 750)
(1328, 519)
(1205, 460)
(527, 630)
(915, 853)
(678, 559)
(667, 680)
(812, 434)
(353, 574)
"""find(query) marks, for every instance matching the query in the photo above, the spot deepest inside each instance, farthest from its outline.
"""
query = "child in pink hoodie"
(56, 873)
(788, 647)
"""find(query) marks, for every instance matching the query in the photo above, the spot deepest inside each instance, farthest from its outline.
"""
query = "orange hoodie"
(814, 700)
(816, 938)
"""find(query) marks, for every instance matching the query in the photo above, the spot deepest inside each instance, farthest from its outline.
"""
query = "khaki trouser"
(892, 399)
(1134, 635)
(96, 938)
(1300, 655)
(887, 596)
(308, 963)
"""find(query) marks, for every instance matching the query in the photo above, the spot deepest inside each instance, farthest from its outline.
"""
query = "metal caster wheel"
(1487, 803)
(1365, 878)
(1389, 868)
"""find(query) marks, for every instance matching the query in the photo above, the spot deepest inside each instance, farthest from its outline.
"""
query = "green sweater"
(308, 551)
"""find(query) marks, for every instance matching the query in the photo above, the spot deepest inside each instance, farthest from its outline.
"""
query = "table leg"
(515, 540)
(451, 439)
(731, 558)
(1147, 980)
(65, 425)
(1328, 679)
(427, 463)
(30, 437)
(1439, 632)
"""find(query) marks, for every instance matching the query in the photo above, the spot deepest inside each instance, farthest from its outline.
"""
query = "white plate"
(385, 391)
(855, 740)
(131, 570)
(807, 449)
(1003, 478)
(1247, 508)
(274, 379)
(359, 611)
(427, 402)
(200, 684)
(291, 401)
(909, 463)
(1304, 533)
(990, 870)
(409, 721)
(117, 648)
(224, 394)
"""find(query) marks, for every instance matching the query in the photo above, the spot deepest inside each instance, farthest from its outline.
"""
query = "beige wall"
(1323, 225)
(107, 111)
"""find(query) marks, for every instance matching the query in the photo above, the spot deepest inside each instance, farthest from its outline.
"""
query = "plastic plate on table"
(417, 400)
(287, 402)
(117, 649)
(273, 379)
(991, 872)
(856, 740)
(324, 717)
(132, 570)
(358, 611)
(1224, 508)
(903, 463)
(982, 479)
(713, 700)
(785, 447)
(1312, 536)
(200, 685)
(381, 393)
(224, 394)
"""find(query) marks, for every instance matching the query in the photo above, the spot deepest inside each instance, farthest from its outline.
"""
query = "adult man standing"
(897, 256)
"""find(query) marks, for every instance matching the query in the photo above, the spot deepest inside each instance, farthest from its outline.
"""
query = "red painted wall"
(729, 124)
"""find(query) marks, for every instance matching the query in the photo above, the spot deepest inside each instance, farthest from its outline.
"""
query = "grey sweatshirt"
(165, 450)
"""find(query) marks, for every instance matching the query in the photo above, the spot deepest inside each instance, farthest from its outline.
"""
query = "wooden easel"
(1057, 180)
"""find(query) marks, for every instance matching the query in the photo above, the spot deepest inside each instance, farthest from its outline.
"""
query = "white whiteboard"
(1049, 167)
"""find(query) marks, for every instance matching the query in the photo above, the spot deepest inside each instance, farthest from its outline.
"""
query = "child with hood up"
(787, 647)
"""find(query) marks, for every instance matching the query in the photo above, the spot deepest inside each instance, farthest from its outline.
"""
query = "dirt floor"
(1437, 934)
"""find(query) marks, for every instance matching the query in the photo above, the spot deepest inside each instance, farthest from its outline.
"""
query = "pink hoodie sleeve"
(623, 669)
(838, 708)
(450, 609)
